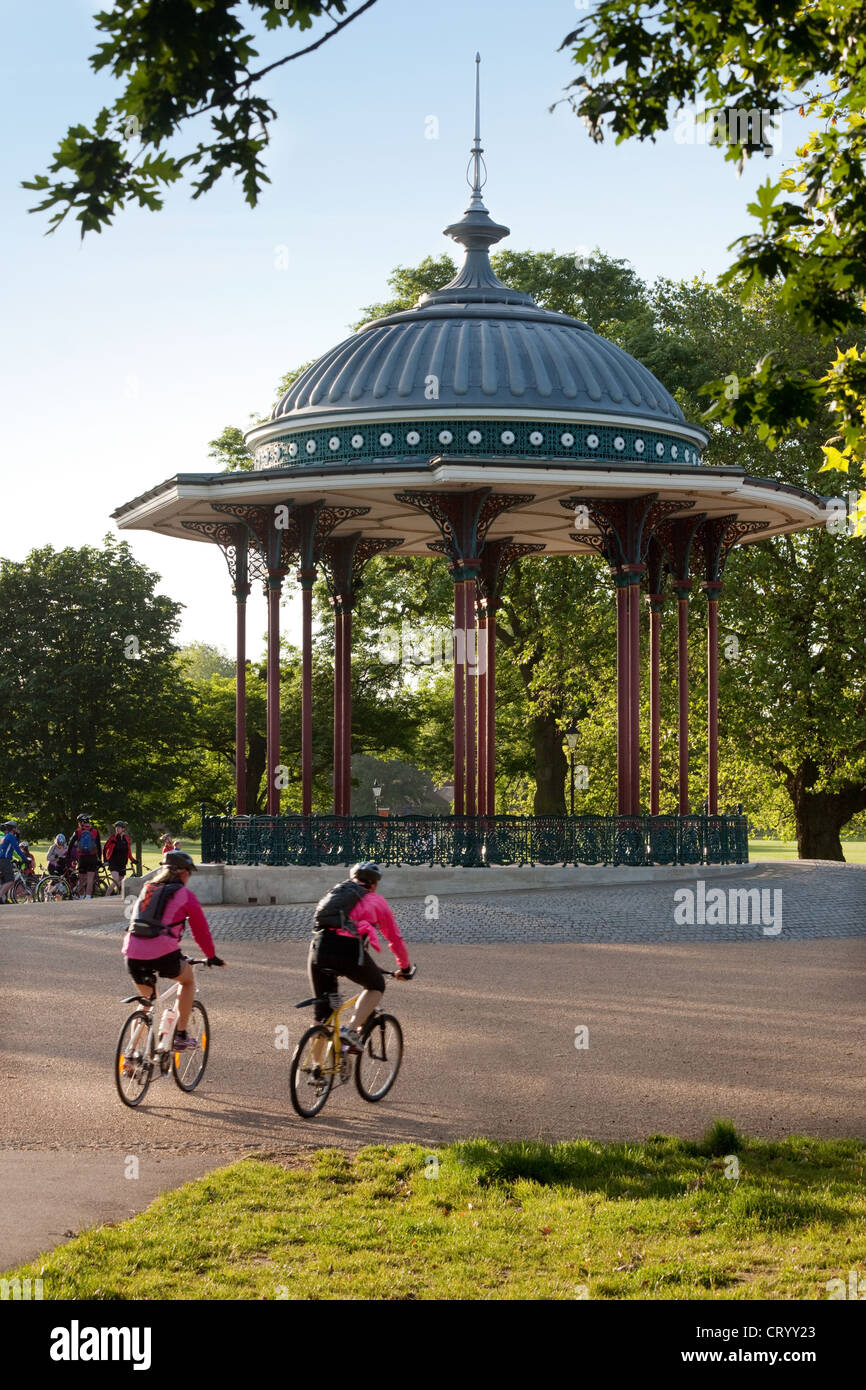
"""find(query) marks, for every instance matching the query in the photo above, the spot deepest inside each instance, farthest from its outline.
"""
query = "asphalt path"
(768, 1033)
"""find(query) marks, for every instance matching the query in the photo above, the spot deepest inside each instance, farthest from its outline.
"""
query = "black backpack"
(148, 923)
(332, 911)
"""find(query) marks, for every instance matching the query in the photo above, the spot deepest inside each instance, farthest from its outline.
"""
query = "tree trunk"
(818, 826)
(256, 763)
(550, 766)
(820, 816)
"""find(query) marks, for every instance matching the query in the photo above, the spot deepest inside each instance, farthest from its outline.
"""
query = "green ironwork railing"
(475, 841)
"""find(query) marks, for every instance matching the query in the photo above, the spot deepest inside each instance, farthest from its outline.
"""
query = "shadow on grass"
(773, 1184)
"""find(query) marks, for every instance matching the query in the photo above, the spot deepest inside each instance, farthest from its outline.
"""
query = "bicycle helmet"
(368, 873)
(24, 844)
(178, 859)
(82, 818)
(60, 839)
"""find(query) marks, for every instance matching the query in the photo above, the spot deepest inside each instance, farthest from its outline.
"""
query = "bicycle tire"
(53, 888)
(186, 1074)
(379, 1059)
(302, 1076)
(137, 1081)
(20, 893)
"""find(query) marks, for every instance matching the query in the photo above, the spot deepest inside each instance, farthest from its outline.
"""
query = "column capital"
(712, 588)
(655, 602)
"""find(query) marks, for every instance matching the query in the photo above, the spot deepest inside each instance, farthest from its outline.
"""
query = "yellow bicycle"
(322, 1058)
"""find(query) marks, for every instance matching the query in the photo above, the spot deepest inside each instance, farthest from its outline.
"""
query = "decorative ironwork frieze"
(367, 442)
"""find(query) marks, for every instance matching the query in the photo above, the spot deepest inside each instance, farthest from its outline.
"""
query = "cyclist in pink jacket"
(337, 951)
(160, 913)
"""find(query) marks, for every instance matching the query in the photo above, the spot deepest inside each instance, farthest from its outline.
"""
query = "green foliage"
(92, 714)
(175, 62)
(640, 63)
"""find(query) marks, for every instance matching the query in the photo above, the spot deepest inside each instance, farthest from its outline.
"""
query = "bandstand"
(484, 428)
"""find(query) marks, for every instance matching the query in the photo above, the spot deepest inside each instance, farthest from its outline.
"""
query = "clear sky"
(124, 355)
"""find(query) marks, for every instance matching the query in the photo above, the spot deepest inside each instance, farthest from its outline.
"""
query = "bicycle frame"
(172, 993)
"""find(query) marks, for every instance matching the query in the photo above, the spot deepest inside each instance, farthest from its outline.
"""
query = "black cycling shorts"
(144, 972)
(7, 872)
(331, 956)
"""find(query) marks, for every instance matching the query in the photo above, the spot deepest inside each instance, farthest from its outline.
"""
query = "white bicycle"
(146, 1049)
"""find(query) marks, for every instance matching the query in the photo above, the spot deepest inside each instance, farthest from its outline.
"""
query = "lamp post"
(571, 740)
(377, 792)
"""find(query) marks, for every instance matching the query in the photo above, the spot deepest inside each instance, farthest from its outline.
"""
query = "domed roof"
(483, 355)
(477, 351)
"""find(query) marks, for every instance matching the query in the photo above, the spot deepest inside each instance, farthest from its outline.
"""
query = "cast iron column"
(482, 669)
(274, 591)
(497, 557)
(624, 527)
(244, 562)
(712, 592)
(463, 519)
(623, 653)
(343, 559)
(338, 712)
(655, 602)
(682, 591)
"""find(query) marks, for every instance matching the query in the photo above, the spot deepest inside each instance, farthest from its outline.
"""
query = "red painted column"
(346, 753)
(338, 711)
(241, 595)
(275, 586)
(471, 670)
(712, 591)
(682, 590)
(655, 602)
(623, 742)
(459, 701)
(307, 579)
(491, 713)
(482, 713)
(634, 687)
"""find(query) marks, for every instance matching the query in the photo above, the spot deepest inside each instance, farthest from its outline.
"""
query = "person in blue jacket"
(8, 848)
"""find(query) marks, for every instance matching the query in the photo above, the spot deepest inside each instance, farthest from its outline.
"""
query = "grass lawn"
(853, 850)
(482, 1220)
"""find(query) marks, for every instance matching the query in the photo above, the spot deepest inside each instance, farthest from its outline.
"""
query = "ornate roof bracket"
(497, 557)
(715, 540)
(343, 560)
(463, 519)
(624, 526)
(244, 562)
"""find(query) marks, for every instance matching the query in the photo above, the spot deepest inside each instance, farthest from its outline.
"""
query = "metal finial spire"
(476, 163)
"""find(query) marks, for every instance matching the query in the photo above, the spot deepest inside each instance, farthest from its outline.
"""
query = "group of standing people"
(84, 852)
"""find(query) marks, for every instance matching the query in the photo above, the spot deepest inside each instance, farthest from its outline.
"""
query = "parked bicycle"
(23, 887)
(146, 1048)
(322, 1058)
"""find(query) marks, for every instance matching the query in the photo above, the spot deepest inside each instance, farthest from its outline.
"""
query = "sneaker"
(350, 1039)
(182, 1043)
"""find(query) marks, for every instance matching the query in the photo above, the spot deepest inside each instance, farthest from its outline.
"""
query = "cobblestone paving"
(809, 901)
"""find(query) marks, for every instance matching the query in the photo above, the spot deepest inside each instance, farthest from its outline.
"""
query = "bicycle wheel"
(53, 889)
(20, 893)
(132, 1071)
(187, 1067)
(310, 1081)
(377, 1065)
